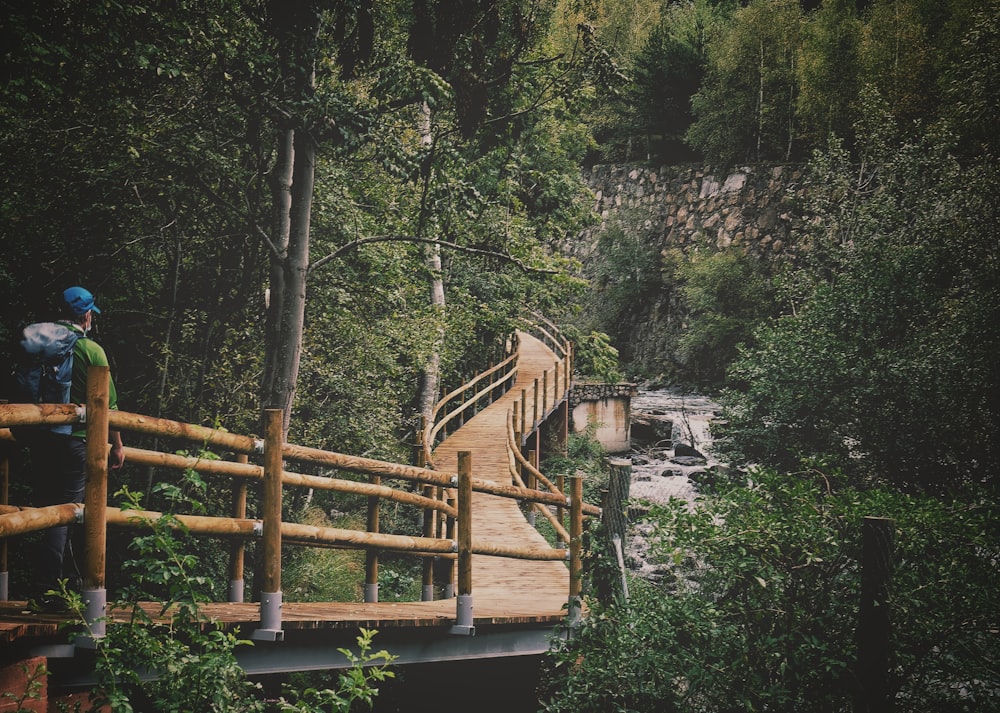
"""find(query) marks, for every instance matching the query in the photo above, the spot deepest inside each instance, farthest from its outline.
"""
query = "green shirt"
(86, 353)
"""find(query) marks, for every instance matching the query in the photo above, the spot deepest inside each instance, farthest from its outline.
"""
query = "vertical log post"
(237, 550)
(555, 384)
(371, 555)
(517, 462)
(575, 549)
(564, 440)
(450, 533)
(560, 510)
(4, 500)
(95, 499)
(427, 588)
(531, 482)
(525, 428)
(534, 419)
(545, 393)
(464, 618)
(874, 626)
(270, 590)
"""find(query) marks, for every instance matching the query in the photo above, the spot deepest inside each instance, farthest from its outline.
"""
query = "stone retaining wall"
(581, 392)
(680, 206)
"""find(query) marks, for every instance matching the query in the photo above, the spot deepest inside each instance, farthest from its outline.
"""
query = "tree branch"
(425, 241)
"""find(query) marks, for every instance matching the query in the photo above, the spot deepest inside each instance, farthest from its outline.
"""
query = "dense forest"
(338, 208)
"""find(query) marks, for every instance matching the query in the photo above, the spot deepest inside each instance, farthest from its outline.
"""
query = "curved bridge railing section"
(444, 497)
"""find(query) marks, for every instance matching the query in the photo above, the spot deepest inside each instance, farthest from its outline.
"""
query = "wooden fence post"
(534, 419)
(95, 499)
(525, 428)
(371, 555)
(270, 590)
(555, 384)
(575, 549)
(545, 392)
(450, 533)
(531, 483)
(237, 551)
(427, 589)
(560, 510)
(874, 626)
(464, 616)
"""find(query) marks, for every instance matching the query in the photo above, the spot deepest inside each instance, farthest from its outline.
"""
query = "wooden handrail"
(439, 490)
(432, 428)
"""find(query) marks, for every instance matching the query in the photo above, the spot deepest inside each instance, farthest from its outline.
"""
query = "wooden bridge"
(505, 590)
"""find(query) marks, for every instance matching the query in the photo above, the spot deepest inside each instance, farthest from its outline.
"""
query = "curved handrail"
(273, 474)
(33, 414)
(546, 330)
(504, 374)
(435, 426)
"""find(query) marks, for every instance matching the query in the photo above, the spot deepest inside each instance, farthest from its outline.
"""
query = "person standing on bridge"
(59, 459)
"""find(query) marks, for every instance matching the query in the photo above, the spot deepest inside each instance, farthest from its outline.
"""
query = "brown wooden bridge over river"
(502, 588)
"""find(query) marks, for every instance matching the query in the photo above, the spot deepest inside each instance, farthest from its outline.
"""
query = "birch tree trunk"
(288, 312)
(431, 381)
(295, 26)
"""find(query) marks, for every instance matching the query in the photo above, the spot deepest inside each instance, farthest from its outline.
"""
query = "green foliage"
(887, 363)
(357, 685)
(399, 579)
(34, 692)
(745, 108)
(188, 663)
(829, 72)
(312, 574)
(624, 280)
(725, 295)
(585, 457)
(759, 605)
(595, 357)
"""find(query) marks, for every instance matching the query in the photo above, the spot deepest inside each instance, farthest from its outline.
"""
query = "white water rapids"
(657, 473)
(665, 421)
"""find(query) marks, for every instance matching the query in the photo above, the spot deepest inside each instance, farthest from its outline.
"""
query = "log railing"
(443, 496)
(461, 404)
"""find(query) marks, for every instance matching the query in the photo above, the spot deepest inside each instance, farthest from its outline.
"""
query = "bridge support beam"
(575, 550)
(95, 499)
(270, 596)
(463, 610)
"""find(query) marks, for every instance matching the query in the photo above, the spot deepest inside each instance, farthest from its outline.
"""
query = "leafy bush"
(189, 662)
(886, 361)
(759, 606)
(595, 358)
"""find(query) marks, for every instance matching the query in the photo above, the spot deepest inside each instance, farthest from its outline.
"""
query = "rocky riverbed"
(671, 453)
(671, 444)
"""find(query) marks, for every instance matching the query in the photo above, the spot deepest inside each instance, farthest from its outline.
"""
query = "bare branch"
(425, 241)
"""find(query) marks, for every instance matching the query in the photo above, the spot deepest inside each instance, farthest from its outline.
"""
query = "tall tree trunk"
(287, 348)
(295, 25)
(431, 381)
(281, 196)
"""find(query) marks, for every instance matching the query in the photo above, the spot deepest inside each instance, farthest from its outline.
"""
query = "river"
(671, 446)
(664, 422)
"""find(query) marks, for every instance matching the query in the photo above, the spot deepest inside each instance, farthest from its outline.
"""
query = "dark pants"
(59, 471)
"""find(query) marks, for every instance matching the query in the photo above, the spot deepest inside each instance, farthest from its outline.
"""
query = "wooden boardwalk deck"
(505, 591)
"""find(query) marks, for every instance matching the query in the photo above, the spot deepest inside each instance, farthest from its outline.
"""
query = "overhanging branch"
(426, 241)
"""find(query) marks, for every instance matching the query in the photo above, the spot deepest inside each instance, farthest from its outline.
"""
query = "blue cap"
(80, 300)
